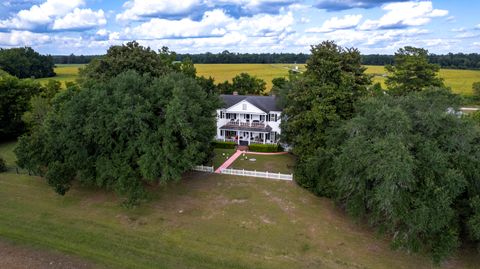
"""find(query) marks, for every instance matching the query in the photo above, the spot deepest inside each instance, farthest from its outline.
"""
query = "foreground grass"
(459, 80)
(204, 221)
(271, 163)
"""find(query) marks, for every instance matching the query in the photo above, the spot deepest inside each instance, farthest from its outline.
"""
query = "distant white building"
(249, 119)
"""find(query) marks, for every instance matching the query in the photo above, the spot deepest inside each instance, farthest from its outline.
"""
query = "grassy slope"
(205, 221)
(271, 163)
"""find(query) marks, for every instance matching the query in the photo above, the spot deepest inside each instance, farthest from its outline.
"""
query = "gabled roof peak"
(265, 103)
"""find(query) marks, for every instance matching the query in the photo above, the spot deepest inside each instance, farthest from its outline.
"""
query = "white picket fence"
(250, 173)
(203, 168)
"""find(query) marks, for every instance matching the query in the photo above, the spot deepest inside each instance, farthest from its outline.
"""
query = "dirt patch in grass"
(22, 257)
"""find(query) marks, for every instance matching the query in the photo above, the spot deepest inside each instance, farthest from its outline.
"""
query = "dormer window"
(244, 106)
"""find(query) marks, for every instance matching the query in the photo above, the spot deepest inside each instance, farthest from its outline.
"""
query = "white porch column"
(264, 135)
(238, 137)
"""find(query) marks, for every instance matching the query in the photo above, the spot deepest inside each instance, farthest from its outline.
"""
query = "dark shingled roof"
(265, 103)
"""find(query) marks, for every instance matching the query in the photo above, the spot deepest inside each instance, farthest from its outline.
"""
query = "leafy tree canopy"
(243, 84)
(122, 133)
(411, 166)
(412, 71)
(324, 95)
(15, 96)
(132, 56)
(26, 63)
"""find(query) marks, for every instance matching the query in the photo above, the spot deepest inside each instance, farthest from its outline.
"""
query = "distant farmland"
(459, 80)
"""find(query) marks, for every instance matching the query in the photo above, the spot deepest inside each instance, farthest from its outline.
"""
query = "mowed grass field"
(204, 221)
(459, 80)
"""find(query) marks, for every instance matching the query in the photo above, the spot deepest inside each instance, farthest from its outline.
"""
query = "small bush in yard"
(264, 147)
(3, 165)
(224, 145)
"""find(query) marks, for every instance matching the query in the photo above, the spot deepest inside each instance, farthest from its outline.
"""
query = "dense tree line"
(135, 119)
(232, 57)
(402, 159)
(450, 60)
(26, 63)
(73, 59)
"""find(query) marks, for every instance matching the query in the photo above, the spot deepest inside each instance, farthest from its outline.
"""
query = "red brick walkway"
(230, 160)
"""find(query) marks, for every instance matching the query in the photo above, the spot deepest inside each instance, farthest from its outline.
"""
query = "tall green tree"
(317, 101)
(411, 71)
(131, 56)
(412, 168)
(244, 84)
(15, 95)
(26, 63)
(122, 133)
(323, 95)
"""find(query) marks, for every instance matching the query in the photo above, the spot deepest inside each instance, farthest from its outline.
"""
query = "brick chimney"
(235, 93)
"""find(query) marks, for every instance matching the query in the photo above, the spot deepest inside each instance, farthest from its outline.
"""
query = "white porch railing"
(203, 168)
(246, 124)
(249, 173)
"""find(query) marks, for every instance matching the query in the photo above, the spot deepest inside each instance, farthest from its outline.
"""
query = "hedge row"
(265, 147)
(224, 145)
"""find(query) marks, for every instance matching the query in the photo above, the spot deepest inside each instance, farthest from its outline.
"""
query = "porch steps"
(242, 148)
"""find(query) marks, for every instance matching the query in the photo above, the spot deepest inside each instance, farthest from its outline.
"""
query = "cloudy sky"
(373, 26)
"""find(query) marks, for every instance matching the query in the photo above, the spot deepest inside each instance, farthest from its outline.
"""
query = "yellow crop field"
(65, 73)
(222, 72)
(459, 80)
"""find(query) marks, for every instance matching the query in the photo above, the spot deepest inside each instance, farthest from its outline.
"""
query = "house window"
(273, 117)
(222, 115)
(244, 106)
(273, 136)
(262, 117)
(221, 132)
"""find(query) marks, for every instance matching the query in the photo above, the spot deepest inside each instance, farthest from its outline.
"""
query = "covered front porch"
(242, 137)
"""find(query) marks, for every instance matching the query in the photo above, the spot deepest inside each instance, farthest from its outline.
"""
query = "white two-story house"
(248, 119)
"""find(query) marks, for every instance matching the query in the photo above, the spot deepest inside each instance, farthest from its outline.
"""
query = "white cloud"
(400, 15)
(54, 15)
(213, 23)
(467, 35)
(144, 9)
(335, 23)
(136, 9)
(477, 26)
(22, 38)
(459, 30)
(80, 19)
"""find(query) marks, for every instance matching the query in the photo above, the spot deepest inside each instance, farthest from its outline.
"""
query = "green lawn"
(221, 155)
(204, 221)
(266, 163)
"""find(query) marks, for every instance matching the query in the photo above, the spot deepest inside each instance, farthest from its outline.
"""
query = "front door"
(243, 142)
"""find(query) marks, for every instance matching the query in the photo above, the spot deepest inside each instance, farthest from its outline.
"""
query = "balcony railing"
(246, 124)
